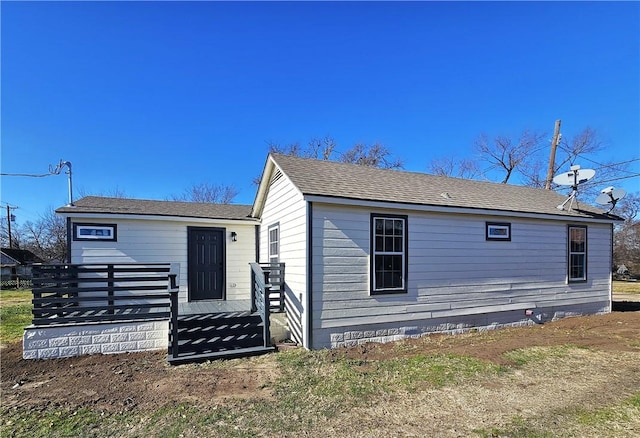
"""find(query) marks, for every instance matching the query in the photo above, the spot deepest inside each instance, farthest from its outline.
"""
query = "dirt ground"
(123, 382)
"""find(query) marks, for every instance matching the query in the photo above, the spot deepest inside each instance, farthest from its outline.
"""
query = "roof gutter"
(157, 217)
(453, 209)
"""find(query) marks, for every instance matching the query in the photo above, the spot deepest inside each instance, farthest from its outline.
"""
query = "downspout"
(69, 232)
(309, 275)
(611, 273)
(257, 231)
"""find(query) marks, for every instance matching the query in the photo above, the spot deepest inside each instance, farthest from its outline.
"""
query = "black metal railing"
(274, 283)
(259, 301)
(75, 293)
(173, 320)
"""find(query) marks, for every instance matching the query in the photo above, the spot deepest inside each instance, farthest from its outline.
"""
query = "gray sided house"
(371, 255)
(377, 255)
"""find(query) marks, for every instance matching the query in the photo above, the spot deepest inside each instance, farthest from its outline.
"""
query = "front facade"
(372, 267)
(119, 252)
(213, 245)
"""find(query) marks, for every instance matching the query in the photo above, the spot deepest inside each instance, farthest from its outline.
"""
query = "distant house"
(622, 270)
(16, 263)
(371, 255)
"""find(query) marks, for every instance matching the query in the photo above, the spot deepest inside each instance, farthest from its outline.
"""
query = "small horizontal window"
(95, 232)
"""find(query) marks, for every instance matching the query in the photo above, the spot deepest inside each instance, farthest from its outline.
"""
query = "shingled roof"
(341, 180)
(103, 205)
(21, 256)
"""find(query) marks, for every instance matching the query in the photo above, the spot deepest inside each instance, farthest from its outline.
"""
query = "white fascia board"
(202, 220)
(263, 187)
(443, 209)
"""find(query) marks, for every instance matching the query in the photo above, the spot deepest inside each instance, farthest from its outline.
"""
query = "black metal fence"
(77, 293)
(16, 283)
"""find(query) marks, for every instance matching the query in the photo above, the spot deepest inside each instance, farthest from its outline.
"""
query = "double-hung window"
(577, 258)
(388, 254)
(274, 243)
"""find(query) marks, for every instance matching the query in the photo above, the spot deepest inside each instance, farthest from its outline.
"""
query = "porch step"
(229, 354)
(214, 335)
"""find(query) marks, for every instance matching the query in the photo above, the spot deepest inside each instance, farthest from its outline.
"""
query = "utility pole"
(9, 208)
(552, 156)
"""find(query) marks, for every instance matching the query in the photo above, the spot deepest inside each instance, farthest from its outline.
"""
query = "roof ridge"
(408, 172)
(335, 179)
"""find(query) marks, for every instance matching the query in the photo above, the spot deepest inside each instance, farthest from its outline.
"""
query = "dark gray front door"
(205, 263)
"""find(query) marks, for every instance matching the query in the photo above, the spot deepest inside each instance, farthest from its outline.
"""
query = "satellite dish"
(573, 178)
(610, 196)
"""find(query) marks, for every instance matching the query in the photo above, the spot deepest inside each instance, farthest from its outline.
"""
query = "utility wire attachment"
(56, 171)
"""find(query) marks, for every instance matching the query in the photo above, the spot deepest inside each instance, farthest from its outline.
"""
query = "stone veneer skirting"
(94, 338)
(389, 332)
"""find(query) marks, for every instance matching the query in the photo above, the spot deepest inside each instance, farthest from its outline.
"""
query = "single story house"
(371, 254)
(377, 255)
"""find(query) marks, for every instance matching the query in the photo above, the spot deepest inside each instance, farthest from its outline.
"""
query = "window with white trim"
(388, 254)
(577, 258)
(274, 243)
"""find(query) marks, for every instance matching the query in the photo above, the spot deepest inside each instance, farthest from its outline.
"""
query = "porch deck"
(118, 295)
(213, 306)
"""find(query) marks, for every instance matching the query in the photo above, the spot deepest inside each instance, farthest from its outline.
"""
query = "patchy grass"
(626, 287)
(320, 393)
(612, 421)
(15, 297)
(544, 391)
(531, 355)
(60, 422)
(15, 314)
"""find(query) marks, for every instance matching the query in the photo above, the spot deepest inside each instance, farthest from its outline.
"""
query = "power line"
(603, 166)
(600, 164)
(636, 175)
(27, 174)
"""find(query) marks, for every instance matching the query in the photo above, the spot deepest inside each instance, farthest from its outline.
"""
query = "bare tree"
(16, 235)
(208, 193)
(46, 237)
(451, 166)
(527, 160)
(626, 237)
(629, 207)
(506, 155)
(376, 155)
(320, 149)
(116, 192)
(292, 149)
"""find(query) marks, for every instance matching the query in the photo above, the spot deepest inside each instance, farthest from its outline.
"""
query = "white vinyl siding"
(452, 269)
(285, 206)
(165, 241)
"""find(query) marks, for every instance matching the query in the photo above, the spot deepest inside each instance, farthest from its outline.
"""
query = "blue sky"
(152, 97)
